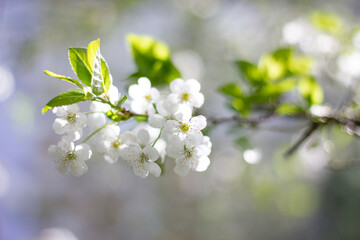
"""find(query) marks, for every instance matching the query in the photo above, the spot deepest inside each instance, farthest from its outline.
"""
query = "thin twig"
(302, 138)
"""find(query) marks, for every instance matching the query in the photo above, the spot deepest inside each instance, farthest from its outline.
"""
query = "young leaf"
(79, 62)
(94, 60)
(93, 51)
(67, 79)
(105, 73)
(68, 97)
(272, 67)
(310, 90)
(288, 109)
(325, 21)
(96, 77)
(232, 90)
(250, 72)
(152, 59)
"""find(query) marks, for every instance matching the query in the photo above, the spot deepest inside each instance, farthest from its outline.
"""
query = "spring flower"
(141, 156)
(69, 120)
(186, 92)
(143, 96)
(184, 126)
(111, 142)
(189, 156)
(166, 111)
(141, 160)
(69, 158)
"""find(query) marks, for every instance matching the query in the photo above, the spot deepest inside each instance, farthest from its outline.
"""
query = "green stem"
(157, 137)
(96, 131)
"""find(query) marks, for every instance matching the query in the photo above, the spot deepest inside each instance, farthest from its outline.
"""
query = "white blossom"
(141, 160)
(186, 92)
(111, 142)
(166, 110)
(69, 121)
(184, 126)
(154, 133)
(69, 158)
(189, 156)
(143, 96)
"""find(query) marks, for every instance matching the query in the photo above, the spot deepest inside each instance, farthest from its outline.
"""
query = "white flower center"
(116, 144)
(143, 158)
(148, 98)
(185, 97)
(184, 127)
(71, 117)
(70, 156)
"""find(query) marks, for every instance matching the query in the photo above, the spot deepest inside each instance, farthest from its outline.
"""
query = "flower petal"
(131, 153)
(136, 92)
(155, 94)
(59, 125)
(73, 136)
(175, 149)
(197, 100)
(192, 86)
(181, 170)
(96, 120)
(198, 122)
(143, 137)
(73, 108)
(156, 121)
(83, 152)
(183, 114)
(140, 106)
(78, 168)
(153, 168)
(204, 163)
(139, 169)
(177, 85)
(144, 83)
(151, 153)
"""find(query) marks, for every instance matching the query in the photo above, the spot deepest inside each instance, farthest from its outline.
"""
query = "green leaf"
(67, 79)
(272, 68)
(152, 59)
(288, 109)
(93, 52)
(232, 90)
(310, 90)
(328, 22)
(300, 65)
(243, 142)
(68, 97)
(79, 62)
(95, 63)
(250, 72)
(241, 106)
(105, 74)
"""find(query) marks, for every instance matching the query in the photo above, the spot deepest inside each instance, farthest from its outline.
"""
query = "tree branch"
(306, 134)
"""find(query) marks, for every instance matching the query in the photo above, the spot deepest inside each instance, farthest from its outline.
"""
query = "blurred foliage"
(327, 22)
(275, 75)
(152, 59)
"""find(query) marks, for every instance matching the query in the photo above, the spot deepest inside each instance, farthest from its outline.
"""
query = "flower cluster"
(171, 130)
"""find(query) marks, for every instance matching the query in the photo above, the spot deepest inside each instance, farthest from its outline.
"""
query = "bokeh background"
(245, 194)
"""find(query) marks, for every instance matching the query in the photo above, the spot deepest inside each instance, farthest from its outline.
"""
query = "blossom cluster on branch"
(172, 130)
